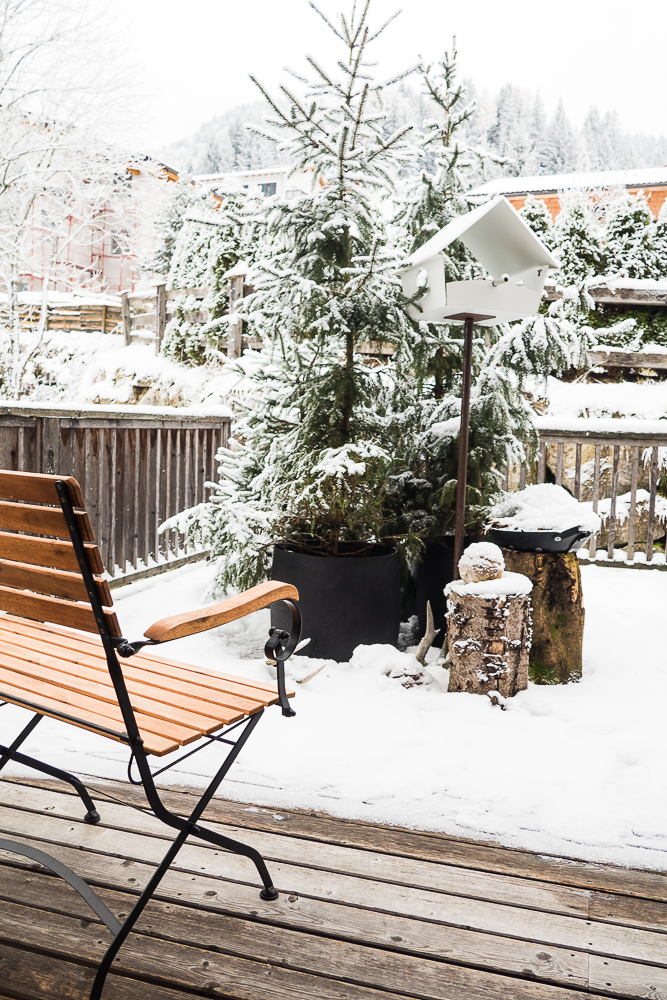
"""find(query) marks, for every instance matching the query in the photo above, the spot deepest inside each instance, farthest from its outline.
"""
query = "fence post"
(235, 336)
(160, 315)
(50, 457)
(127, 318)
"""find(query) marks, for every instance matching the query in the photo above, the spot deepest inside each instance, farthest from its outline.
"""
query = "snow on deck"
(577, 770)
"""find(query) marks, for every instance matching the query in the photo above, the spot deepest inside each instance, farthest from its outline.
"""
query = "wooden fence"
(146, 314)
(86, 315)
(619, 473)
(136, 467)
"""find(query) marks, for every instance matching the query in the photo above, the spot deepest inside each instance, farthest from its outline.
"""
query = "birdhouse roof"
(496, 235)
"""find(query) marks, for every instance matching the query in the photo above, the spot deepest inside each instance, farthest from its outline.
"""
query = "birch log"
(489, 638)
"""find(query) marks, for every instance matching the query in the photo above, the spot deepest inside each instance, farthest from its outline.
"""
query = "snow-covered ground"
(579, 770)
(76, 368)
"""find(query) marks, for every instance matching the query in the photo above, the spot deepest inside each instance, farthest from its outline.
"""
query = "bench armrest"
(191, 622)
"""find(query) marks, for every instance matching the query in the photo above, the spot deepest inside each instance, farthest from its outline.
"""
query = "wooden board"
(54, 610)
(629, 359)
(42, 520)
(33, 487)
(47, 552)
(168, 674)
(49, 581)
(15, 688)
(218, 688)
(95, 678)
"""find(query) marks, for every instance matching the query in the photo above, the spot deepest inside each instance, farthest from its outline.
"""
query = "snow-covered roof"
(497, 236)
(548, 183)
(229, 175)
(240, 269)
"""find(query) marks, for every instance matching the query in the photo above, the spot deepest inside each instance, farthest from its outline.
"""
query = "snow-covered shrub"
(630, 238)
(578, 240)
(535, 212)
(216, 232)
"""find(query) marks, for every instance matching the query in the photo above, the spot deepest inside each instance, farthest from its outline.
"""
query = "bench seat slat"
(98, 673)
(42, 520)
(147, 704)
(38, 489)
(175, 668)
(52, 582)
(219, 696)
(180, 735)
(153, 662)
(94, 723)
(47, 552)
(54, 609)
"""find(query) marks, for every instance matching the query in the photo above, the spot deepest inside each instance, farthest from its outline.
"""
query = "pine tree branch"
(327, 21)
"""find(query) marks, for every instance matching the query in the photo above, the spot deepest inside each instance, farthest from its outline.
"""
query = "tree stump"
(489, 639)
(558, 613)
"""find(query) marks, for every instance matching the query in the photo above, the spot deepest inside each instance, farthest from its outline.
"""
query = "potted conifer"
(319, 430)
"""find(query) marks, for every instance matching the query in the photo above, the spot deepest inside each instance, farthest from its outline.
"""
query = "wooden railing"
(137, 466)
(618, 471)
(146, 314)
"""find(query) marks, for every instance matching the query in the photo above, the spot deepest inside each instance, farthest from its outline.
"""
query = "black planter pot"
(344, 601)
(434, 571)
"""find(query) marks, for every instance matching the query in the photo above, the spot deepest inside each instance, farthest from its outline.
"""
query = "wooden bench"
(61, 653)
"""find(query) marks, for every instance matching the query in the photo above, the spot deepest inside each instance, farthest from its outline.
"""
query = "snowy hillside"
(512, 124)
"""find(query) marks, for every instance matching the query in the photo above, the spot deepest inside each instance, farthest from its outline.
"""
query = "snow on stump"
(489, 625)
(558, 613)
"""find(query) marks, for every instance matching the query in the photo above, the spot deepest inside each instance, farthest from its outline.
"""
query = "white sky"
(195, 56)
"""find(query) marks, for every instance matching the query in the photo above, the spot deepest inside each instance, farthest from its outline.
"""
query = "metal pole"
(463, 447)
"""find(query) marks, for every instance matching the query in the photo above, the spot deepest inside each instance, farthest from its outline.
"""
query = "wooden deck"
(365, 912)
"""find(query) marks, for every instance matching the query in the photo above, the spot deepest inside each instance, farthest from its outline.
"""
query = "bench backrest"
(40, 577)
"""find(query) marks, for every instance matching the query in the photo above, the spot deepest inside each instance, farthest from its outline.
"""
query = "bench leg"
(187, 827)
(11, 753)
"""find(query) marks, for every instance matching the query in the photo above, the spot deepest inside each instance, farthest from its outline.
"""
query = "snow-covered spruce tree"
(168, 224)
(216, 232)
(319, 429)
(535, 212)
(423, 494)
(577, 239)
(630, 238)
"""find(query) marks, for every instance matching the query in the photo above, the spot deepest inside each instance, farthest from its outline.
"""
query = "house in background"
(548, 187)
(102, 254)
(269, 181)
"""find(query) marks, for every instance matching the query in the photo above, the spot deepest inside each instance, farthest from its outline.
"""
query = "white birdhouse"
(506, 247)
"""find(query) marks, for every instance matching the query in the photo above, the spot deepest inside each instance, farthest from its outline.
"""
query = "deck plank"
(300, 914)
(29, 975)
(350, 861)
(427, 846)
(487, 917)
(208, 964)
